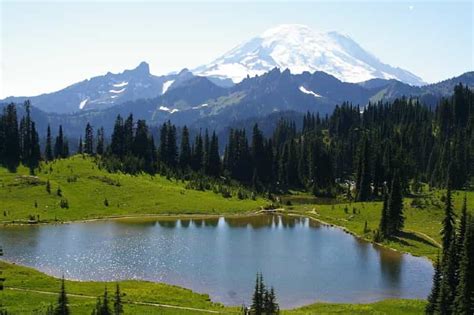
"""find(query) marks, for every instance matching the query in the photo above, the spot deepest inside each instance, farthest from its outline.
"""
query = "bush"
(64, 204)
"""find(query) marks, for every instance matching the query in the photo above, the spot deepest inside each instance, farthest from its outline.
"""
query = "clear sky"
(46, 46)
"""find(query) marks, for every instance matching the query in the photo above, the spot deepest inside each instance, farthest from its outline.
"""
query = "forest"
(354, 151)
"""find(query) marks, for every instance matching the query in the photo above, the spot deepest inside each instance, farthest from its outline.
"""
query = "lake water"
(303, 260)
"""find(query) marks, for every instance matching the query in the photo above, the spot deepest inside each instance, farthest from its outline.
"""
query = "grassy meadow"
(93, 193)
(28, 291)
(423, 216)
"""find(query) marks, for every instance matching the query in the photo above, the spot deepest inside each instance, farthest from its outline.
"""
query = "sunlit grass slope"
(94, 193)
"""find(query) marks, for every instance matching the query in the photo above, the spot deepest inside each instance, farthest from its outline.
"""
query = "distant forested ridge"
(354, 147)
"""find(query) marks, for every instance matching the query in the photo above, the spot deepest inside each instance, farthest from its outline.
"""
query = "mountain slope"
(299, 49)
(105, 91)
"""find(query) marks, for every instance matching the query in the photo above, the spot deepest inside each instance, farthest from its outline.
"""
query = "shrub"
(64, 204)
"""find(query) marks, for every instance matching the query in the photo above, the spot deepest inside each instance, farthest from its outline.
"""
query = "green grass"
(31, 302)
(86, 187)
(421, 236)
(26, 302)
(402, 307)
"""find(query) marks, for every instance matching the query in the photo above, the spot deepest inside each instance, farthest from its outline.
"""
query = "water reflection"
(391, 264)
(302, 259)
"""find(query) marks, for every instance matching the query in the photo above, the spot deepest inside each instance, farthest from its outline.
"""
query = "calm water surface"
(303, 260)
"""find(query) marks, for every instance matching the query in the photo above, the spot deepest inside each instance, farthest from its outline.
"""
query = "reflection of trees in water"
(185, 223)
(255, 221)
(363, 248)
(266, 220)
(391, 266)
(197, 222)
(136, 223)
(211, 222)
(314, 223)
(168, 223)
(288, 221)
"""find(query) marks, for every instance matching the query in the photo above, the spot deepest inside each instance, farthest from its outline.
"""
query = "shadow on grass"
(403, 236)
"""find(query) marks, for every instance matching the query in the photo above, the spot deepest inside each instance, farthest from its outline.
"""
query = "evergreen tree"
(464, 299)
(214, 160)
(257, 298)
(128, 135)
(198, 154)
(1, 272)
(448, 224)
(271, 305)
(118, 138)
(432, 306)
(363, 172)
(98, 307)
(48, 151)
(118, 305)
(59, 144)
(62, 307)
(35, 150)
(48, 187)
(185, 150)
(89, 140)
(11, 139)
(105, 307)
(395, 207)
(100, 149)
(462, 229)
(80, 147)
(448, 280)
(384, 219)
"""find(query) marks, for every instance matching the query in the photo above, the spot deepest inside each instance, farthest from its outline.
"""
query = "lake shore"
(281, 211)
(27, 289)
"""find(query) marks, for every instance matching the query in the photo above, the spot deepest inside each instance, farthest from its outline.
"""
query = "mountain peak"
(299, 48)
(143, 68)
(287, 29)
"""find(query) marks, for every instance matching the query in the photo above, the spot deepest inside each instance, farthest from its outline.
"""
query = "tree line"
(453, 281)
(105, 305)
(354, 151)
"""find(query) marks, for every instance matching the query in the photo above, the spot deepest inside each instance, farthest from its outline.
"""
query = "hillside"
(86, 187)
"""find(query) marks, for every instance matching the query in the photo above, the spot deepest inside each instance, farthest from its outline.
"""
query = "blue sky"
(47, 46)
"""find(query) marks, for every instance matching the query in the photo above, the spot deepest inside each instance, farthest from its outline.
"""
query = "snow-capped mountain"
(105, 91)
(299, 48)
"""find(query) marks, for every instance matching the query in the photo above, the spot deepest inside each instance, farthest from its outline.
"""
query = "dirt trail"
(129, 302)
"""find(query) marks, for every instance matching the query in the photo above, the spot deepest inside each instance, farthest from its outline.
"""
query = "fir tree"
(118, 306)
(89, 140)
(48, 187)
(214, 160)
(395, 207)
(80, 148)
(384, 224)
(118, 138)
(11, 138)
(2, 279)
(257, 298)
(59, 144)
(448, 280)
(448, 224)
(100, 148)
(363, 172)
(48, 151)
(185, 150)
(62, 307)
(105, 307)
(432, 306)
(464, 299)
